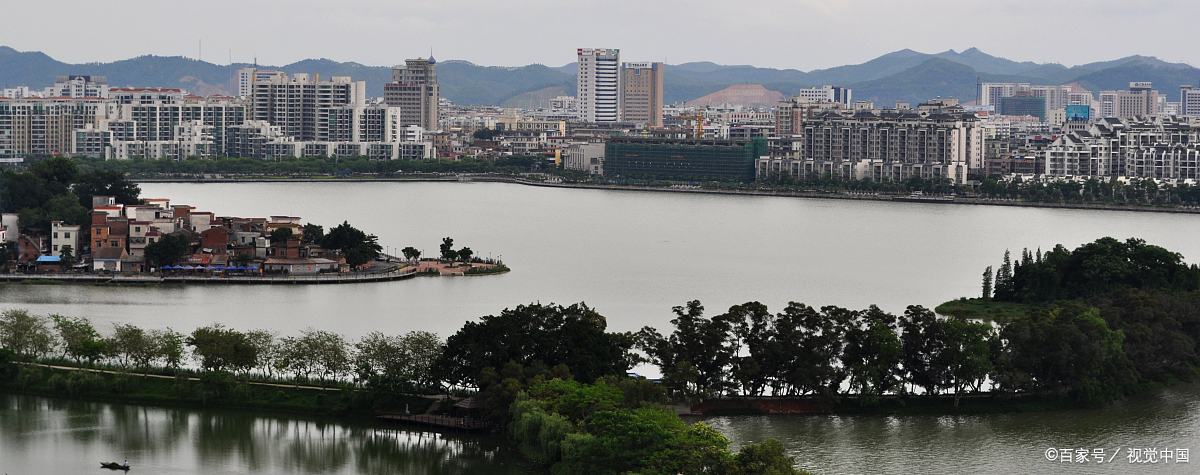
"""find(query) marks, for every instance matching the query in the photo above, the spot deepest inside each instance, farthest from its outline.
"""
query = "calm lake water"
(40, 435)
(634, 255)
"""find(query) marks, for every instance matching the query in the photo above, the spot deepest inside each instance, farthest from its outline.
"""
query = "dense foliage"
(167, 250)
(618, 426)
(1092, 351)
(548, 335)
(1092, 269)
(55, 189)
(357, 246)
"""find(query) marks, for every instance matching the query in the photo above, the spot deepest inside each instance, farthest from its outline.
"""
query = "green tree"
(67, 254)
(280, 235)
(550, 334)
(222, 349)
(1065, 350)
(968, 354)
(987, 284)
(167, 250)
(707, 345)
(923, 342)
(313, 234)
(134, 346)
(872, 353)
(168, 345)
(358, 247)
(27, 335)
(411, 253)
(59, 173)
(106, 183)
(80, 341)
(447, 249)
(767, 458)
(465, 254)
(266, 350)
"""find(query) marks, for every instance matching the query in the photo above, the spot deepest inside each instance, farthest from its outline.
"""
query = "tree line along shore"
(1102, 322)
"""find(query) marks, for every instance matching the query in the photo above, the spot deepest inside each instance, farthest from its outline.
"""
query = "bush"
(28, 375)
(242, 392)
(57, 383)
(122, 383)
(216, 382)
(182, 386)
(7, 368)
(81, 382)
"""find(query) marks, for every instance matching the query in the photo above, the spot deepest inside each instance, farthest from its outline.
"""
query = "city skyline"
(664, 32)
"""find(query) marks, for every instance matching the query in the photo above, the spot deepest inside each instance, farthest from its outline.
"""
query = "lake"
(634, 255)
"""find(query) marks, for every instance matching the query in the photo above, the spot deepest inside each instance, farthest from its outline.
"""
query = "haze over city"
(802, 34)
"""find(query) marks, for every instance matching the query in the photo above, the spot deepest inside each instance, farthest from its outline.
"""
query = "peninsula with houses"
(121, 237)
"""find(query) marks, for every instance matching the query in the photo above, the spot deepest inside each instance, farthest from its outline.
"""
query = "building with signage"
(1141, 100)
(599, 84)
(642, 93)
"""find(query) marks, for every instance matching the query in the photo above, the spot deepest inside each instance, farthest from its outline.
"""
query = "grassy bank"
(989, 310)
(209, 391)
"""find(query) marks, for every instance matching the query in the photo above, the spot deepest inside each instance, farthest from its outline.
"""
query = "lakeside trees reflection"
(195, 441)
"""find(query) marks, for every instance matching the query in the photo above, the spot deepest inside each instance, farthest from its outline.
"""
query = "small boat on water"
(113, 466)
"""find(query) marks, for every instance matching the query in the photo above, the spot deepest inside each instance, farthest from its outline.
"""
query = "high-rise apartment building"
(1141, 100)
(78, 87)
(300, 104)
(599, 84)
(1189, 101)
(45, 126)
(642, 93)
(243, 81)
(414, 89)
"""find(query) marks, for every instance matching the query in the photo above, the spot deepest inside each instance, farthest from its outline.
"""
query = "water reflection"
(986, 443)
(40, 435)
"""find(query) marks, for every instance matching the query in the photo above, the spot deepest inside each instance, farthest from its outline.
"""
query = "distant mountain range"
(902, 76)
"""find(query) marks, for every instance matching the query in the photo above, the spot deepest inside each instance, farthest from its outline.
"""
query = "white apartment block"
(35, 126)
(245, 78)
(300, 103)
(882, 145)
(599, 84)
(78, 87)
(62, 235)
(826, 93)
(1161, 149)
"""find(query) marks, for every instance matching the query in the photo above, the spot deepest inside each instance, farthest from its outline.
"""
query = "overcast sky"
(793, 34)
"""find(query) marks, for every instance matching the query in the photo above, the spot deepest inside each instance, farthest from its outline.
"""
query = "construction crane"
(699, 133)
